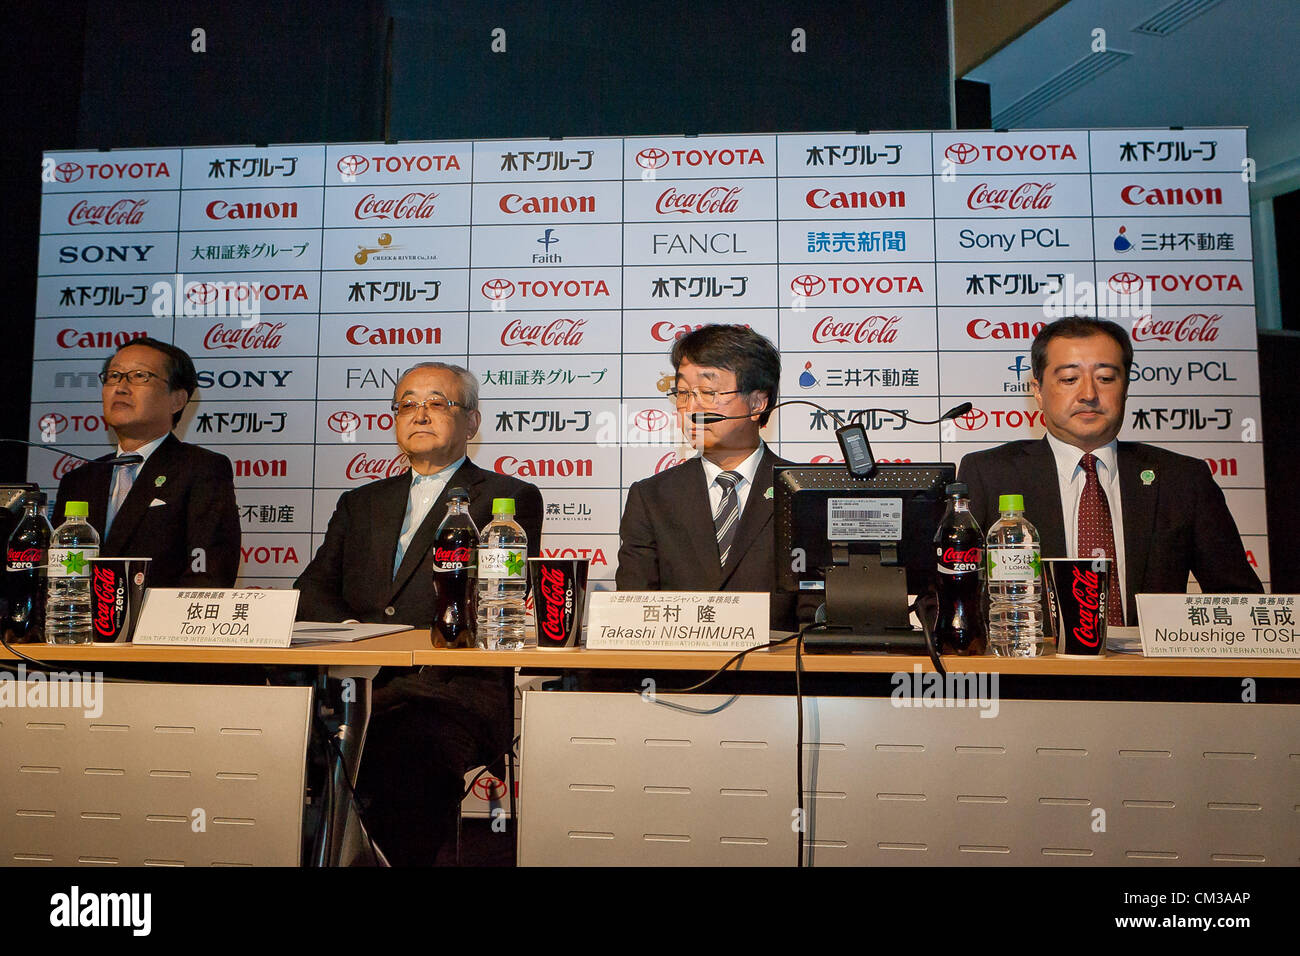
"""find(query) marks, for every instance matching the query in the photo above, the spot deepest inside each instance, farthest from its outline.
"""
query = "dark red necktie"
(1097, 534)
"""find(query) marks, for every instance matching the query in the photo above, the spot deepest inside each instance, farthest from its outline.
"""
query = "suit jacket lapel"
(1138, 504)
(756, 517)
(467, 476)
(1043, 499)
(143, 491)
(692, 497)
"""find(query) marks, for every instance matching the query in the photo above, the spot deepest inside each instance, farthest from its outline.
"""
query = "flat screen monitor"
(861, 544)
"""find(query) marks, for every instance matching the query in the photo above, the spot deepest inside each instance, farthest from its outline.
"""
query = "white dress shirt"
(425, 490)
(745, 469)
(126, 474)
(1069, 474)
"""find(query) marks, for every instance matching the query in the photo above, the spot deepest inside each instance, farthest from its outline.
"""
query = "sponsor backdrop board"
(895, 271)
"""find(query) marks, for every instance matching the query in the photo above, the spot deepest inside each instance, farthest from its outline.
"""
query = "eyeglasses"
(704, 397)
(408, 407)
(137, 376)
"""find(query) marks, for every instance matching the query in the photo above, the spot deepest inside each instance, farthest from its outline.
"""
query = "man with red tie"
(1156, 514)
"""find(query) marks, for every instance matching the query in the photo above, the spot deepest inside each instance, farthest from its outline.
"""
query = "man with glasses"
(177, 505)
(706, 525)
(376, 566)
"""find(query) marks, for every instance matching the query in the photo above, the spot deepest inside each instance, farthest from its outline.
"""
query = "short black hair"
(180, 368)
(738, 349)
(1077, 327)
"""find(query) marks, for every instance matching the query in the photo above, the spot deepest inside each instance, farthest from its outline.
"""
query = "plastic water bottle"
(1015, 593)
(67, 607)
(502, 566)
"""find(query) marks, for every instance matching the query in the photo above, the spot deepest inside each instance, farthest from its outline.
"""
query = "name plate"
(1219, 625)
(222, 617)
(677, 620)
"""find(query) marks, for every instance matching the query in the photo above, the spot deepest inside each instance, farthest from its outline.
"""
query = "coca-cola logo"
(565, 332)
(414, 205)
(108, 597)
(715, 200)
(264, 335)
(971, 556)
(559, 604)
(1193, 327)
(64, 465)
(1125, 283)
(1086, 588)
(498, 289)
(458, 556)
(873, 329)
(123, 212)
(669, 460)
(343, 422)
(807, 285)
(1030, 195)
(24, 559)
(652, 158)
(362, 467)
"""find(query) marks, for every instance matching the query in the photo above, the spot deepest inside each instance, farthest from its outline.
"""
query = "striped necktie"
(727, 519)
(123, 479)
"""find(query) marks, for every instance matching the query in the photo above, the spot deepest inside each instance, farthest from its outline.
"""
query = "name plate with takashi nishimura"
(677, 620)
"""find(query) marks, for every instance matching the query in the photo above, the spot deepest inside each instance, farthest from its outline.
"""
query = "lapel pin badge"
(160, 481)
(1147, 476)
(768, 494)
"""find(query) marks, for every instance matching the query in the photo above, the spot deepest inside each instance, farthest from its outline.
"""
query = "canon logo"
(879, 199)
(71, 172)
(264, 335)
(716, 200)
(76, 339)
(655, 158)
(362, 468)
(365, 335)
(1193, 327)
(543, 467)
(871, 330)
(413, 205)
(514, 204)
(963, 153)
(566, 332)
(260, 468)
(220, 209)
(985, 329)
(1024, 196)
(355, 164)
(1139, 196)
(123, 212)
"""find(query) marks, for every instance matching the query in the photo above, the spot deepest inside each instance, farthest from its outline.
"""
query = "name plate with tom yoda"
(217, 616)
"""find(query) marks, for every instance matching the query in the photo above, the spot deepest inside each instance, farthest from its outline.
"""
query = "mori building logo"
(1193, 327)
(983, 329)
(543, 467)
(870, 330)
(414, 205)
(876, 199)
(716, 200)
(365, 468)
(1134, 195)
(220, 209)
(356, 164)
(558, 332)
(122, 212)
(265, 336)
(1030, 195)
(79, 339)
(514, 204)
(398, 335)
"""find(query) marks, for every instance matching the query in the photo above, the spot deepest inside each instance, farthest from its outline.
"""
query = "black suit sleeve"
(1218, 559)
(212, 527)
(320, 585)
(638, 551)
(529, 511)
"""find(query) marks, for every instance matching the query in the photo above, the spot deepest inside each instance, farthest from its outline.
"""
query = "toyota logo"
(652, 158)
(489, 788)
(807, 285)
(962, 153)
(53, 422)
(353, 165)
(344, 422)
(651, 419)
(972, 421)
(67, 172)
(498, 289)
(201, 293)
(1125, 283)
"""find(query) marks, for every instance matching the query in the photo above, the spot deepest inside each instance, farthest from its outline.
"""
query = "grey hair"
(468, 381)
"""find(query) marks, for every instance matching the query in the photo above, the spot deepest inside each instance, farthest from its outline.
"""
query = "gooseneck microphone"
(708, 418)
(128, 459)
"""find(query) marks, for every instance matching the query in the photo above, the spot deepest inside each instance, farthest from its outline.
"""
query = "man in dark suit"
(376, 565)
(1156, 514)
(177, 507)
(706, 524)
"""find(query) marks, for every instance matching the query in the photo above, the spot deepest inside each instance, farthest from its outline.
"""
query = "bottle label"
(24, 559)
(1013, 564)
(452, 559)
(500, 563)
(953, 561)
(71, 562)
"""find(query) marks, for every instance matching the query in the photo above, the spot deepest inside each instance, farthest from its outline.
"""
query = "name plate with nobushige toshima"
(1219, 625)
(677, 620)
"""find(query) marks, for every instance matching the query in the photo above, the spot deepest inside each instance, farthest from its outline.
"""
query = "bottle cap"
(459, 493)
(76, 509)
(503, 506)
(1011, 502)
(957, 488)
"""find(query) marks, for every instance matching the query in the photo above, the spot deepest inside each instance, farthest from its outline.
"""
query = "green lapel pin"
(160, 481)
(1147, 476)
(768, 494)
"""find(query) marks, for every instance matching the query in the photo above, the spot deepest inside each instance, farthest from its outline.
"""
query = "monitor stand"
(866, 607)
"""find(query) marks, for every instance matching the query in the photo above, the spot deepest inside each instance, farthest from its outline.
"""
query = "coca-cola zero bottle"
(26, 558)
(454, 551)
(959, 553)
